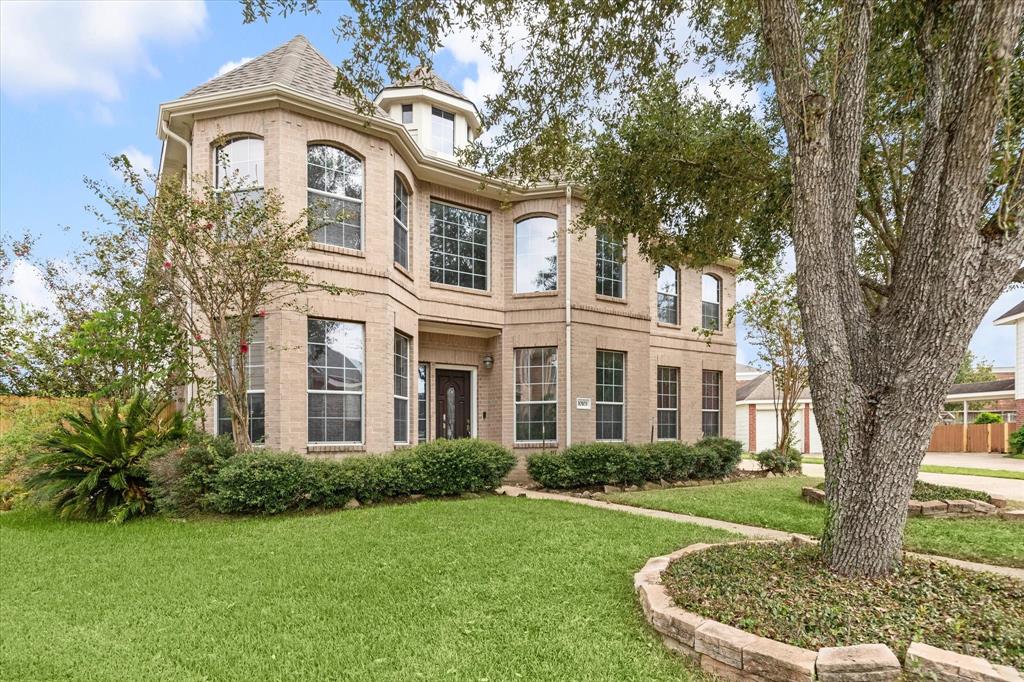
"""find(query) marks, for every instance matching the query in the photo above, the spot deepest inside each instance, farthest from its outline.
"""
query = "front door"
(453, 404)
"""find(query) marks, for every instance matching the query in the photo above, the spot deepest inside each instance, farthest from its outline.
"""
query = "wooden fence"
(971, 438)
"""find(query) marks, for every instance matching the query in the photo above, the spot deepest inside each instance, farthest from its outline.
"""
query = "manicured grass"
(794, 599)
(776, 503)
(494, 588)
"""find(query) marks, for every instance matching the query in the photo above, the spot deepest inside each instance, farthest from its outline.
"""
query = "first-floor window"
(254, 356)
(611, 396)
(668, 403)
(421, 403)
(401, 388)
(335, 357)
(711, 403)
(536, 396)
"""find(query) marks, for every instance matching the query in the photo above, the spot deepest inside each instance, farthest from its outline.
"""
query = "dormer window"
(407, 114)
(442, 131)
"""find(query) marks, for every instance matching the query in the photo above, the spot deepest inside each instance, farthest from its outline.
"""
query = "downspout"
(568, 317)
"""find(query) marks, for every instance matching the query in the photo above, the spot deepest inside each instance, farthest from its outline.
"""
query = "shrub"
(988, 418)
(31, 421)
(448, 467)
(1017, 442)
(94, 464)
(262, 483)
(778, 462)
(182, 472)
(594, 464)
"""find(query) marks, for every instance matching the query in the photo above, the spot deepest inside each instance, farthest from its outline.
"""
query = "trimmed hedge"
(595, 464)
(776, 461)
(271, 483)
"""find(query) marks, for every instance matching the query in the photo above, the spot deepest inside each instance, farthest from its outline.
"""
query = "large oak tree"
(889, 150)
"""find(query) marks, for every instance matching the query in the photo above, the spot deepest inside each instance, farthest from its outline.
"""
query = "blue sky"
(82, 81)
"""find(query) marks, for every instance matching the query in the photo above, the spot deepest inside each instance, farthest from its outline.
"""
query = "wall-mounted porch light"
(488, 362)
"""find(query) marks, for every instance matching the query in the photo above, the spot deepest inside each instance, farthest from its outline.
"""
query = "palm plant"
(93, 466)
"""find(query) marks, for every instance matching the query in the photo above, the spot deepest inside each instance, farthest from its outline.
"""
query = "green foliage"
(988, 418)
(595, 464)
(923, 492)
(1017, 442)
(182, 472)
(93, 466)
(270, 483)
(27, 425)
(778, 462)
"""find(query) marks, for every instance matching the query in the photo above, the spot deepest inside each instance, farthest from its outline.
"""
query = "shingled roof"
(425, 78)
(760, 388)
(997, 386)
(1012, 312)
(296, 64)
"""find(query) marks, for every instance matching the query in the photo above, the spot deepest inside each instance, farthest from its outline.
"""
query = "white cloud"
(231, 66)
(27, 285)
(140, 160)
(55, 47)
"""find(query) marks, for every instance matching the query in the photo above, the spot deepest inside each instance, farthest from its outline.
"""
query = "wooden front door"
(453, 404)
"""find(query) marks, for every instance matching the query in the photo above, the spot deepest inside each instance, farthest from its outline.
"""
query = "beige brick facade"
(450, 326)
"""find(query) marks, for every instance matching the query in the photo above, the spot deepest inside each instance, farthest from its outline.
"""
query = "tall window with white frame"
(421, 402)
(442, 131)
(335, 196)
(536, 394)
(401, 222)
(255, 354)
(668, 295)
(610, 405)
(335, 361)
(711, 403)
(668, 403)
(239, 165)
(407, 114)
(459, 241)
(402, 344)
(611, 267)
(536, 254)
(711, 303)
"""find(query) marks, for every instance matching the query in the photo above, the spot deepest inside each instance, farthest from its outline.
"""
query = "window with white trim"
(459, 240)
(402, 343)
(536, 394)
(335, 366)
(711, 403)
(334, 193)
(254, 352)
(711, 302)
(442, 131)
(668, 295)
(610, 405)
(536, 254)
(401, 222)
(610, 265)
(407, 113)
(668, 403)
(421, 402)
(240, 163)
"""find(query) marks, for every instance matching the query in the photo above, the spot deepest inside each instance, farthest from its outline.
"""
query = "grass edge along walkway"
(938, 469)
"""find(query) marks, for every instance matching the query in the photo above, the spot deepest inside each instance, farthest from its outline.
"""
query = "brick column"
(1019, 404)
(752, 427)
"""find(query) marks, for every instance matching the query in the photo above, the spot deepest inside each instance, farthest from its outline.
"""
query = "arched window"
(335, 194)
(401, 222)
(711, 302)
(536, 254)
(668, 295)
(240, 164)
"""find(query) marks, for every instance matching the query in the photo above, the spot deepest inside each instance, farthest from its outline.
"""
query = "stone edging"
(940, 508)
(736, 655)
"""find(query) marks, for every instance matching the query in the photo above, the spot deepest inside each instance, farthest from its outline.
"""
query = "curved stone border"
(734, 654)
(938, 508)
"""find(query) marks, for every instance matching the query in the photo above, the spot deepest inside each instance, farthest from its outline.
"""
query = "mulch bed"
(784, 592)
(924, 492)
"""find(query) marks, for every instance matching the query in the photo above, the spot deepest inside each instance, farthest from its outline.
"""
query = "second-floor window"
(442, 131)
(459, 241)
(610, 265)
(406, 113)
(536, 254)
(668, 295)
(240, 163)
(711, 302)
(401, 223)
(335, 196)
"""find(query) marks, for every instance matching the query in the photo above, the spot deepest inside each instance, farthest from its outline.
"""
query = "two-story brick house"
(477, 314)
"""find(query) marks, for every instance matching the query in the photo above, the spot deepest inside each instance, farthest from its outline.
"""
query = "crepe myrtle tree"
(889, 149)
(772, 320)
(220, 257)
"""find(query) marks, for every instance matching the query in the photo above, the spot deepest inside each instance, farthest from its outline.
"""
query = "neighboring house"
(745, 373)
(478, 315)
(758, 422)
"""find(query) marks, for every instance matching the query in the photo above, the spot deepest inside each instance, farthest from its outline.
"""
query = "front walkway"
(754, 532)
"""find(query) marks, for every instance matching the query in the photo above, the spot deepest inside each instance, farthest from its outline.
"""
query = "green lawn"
(776, 503)
(489, 589)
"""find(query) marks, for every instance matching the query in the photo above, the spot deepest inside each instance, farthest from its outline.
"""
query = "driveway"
(980, 460)
(1011, 489)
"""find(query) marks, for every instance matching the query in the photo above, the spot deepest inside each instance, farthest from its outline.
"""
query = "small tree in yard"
(772, 319)
(220, 257)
